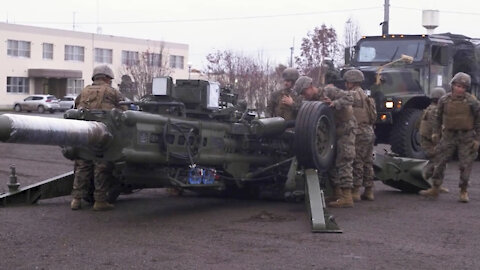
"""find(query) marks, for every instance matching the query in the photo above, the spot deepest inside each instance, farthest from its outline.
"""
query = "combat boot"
(356, 193)
(463, 195)
(76, 204)
(337, 194)
(431, 192)
(102, 206)
(444, 190)
(345, 201)
(368, 194)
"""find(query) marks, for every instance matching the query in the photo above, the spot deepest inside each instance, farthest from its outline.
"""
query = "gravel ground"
(152, 230)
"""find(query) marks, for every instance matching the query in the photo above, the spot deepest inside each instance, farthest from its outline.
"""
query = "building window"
(17, 85)
(153, 59)
(176, 61)
(18, 48)
(74, 86)
(74, 53)
(129, 58)
(103, 55)
(47, 51)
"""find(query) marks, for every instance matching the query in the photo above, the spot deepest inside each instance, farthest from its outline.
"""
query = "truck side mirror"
(444, 56)
(347, 55)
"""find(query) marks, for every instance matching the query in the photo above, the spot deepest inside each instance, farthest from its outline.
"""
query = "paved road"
(152, 230)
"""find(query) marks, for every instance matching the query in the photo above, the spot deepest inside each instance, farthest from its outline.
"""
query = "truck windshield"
(389, 50)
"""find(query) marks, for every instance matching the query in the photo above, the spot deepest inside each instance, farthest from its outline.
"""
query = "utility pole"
(386, 18)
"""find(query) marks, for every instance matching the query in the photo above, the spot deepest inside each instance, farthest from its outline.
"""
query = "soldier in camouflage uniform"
(282, 102)
(341, 102)
(458, 122)
(426, 127)
(101, 96)
(364, 136)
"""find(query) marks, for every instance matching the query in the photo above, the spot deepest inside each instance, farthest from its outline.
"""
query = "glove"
(435, 138)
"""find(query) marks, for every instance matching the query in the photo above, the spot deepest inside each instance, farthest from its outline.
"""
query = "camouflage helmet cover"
(437, 92)
(102, 70)
(461, 78)
(301, 84)
(290, 74)
(353, 76)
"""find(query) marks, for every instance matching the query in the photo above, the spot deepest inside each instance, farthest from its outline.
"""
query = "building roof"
(85, 35)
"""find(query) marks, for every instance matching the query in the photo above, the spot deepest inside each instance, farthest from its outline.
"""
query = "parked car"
(67, 103)
(40, 103)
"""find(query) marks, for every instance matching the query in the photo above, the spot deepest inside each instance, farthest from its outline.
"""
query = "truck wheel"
(405, 136)
(315, 141)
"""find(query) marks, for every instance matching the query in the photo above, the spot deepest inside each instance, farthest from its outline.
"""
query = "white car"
(67, 103)
(40, 103)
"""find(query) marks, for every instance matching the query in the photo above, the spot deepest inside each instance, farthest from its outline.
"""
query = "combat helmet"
(462, 78)
(301, 84)
(353, 76)
(290, 74)
(102, 71)
(437, 93)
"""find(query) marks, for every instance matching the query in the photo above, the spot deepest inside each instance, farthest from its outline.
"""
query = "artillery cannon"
(189, 136)
(193, 136)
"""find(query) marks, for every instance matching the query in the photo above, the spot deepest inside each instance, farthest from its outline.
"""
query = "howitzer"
(188, 136)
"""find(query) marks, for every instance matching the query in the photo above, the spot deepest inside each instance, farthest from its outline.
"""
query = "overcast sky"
(249, 26)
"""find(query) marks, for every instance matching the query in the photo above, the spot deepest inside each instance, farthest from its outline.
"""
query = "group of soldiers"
(450, 124)
(354, 114)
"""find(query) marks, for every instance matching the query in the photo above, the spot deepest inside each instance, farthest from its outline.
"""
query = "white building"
(36, 60)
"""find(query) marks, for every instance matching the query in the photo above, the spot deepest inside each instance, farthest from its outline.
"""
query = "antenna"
(291, 52)
(73, 26)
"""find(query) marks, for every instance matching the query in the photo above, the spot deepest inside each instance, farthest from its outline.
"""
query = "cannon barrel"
(50, 131)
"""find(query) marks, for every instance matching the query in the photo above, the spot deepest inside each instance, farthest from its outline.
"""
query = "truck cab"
(401, 89)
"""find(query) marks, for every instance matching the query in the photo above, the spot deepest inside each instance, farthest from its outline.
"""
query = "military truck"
(401, 70)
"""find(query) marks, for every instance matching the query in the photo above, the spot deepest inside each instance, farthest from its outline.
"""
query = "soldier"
(458, 123)
(345, 123)
(100, 95)
(365, 115)
(426, 126)
(282, 102)
(341, 102)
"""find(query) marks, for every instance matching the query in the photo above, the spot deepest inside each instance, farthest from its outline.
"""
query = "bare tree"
(352, 34)
(252, 78)
(319, 45)
(142, 68)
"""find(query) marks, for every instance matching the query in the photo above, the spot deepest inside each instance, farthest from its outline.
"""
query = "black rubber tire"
(41, 109)
(405, 136)
(17, 108)
(313, 149)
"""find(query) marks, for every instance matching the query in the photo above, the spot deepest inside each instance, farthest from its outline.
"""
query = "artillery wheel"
(405, 136)
(315, 140)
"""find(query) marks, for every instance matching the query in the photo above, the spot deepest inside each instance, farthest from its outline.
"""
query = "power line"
(442, 11)
(215, 19)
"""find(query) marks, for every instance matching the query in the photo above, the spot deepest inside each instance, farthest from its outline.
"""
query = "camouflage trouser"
(430, 151)
(101, 171)
(363, 164)
(451, 141)
(342, 173)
